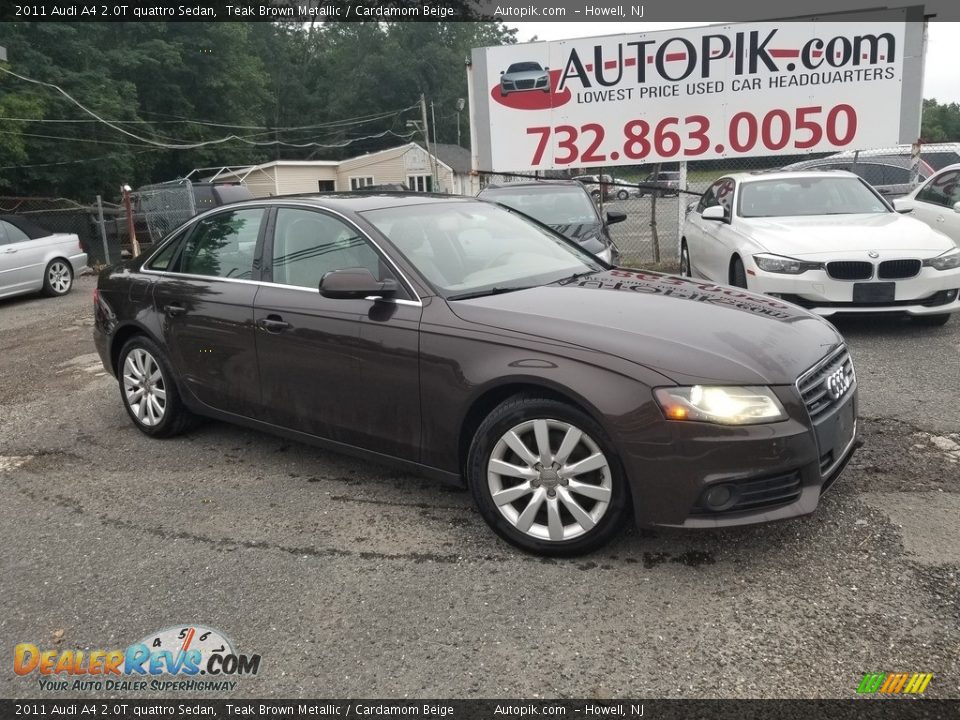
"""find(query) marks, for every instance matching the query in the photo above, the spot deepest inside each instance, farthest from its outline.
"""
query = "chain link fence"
(159, 209)
(103, 228)
(657, 197)
(61, 215)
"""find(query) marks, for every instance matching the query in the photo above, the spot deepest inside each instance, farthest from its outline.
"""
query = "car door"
(205, 297)
(933, 203)
(345, 370)
(712, 256)
(21, 260)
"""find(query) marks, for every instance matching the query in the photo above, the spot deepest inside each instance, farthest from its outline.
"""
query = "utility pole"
(436, 170)
(426, 138)
(460, 105)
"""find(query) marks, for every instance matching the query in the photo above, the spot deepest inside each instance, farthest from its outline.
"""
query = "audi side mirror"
(615, 216)
(356, 283)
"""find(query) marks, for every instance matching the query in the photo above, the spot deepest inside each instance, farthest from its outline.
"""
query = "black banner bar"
(873, 708)
(508, 11)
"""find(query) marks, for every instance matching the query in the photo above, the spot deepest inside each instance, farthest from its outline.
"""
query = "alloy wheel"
(58, 276)
(549, 479)
(144, 387)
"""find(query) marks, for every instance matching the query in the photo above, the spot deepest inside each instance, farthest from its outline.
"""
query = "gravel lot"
(354, 580)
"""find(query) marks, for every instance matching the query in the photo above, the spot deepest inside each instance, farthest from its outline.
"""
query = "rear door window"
(223, 245)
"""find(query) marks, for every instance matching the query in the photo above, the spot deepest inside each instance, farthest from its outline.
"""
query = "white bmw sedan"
(33, 259)
(823, 240)
(936, 202)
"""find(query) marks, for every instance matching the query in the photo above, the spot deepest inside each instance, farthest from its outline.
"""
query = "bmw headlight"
(947, 261)
(784, 265)
(733, 405)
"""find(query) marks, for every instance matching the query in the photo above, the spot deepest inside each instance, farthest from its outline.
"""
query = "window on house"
(325, 185)
(420, 183)
(361, 182)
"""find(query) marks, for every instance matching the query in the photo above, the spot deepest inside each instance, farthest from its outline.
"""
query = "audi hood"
(690, 331)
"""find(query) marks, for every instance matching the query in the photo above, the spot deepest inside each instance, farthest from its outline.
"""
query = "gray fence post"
(915, 163)
(103, 231)
(191, 203)
(682, 203)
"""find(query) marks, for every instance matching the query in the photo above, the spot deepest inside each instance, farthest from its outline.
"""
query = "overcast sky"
(941, 78)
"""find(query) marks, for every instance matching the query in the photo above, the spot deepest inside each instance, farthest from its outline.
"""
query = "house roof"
(454, 157)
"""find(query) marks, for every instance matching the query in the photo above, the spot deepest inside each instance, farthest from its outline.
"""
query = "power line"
(193, 145)
(359, 120)
(73, 162)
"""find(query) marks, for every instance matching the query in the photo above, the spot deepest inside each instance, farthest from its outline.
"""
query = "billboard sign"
(702, 93)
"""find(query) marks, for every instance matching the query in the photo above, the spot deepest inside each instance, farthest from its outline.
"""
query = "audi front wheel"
(545, 478)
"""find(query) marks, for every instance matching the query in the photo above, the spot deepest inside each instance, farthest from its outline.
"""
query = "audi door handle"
(10, 250)
(273, 324)
(174, 310)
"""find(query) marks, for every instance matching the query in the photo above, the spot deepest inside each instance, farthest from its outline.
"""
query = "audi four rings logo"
(838, 382)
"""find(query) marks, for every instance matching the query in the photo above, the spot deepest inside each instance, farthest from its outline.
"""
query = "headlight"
(724, 405)
(785, 265)
(606, 255)
(947, 261)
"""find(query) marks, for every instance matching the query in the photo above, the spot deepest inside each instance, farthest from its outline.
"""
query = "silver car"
(524, 76)
(33, 259)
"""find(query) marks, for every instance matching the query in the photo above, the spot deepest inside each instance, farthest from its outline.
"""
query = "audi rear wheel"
(148, 391)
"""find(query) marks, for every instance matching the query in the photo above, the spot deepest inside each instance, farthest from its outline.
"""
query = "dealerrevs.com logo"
(187, 657)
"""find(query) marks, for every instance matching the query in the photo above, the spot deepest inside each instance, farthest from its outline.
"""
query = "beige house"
(409, 165)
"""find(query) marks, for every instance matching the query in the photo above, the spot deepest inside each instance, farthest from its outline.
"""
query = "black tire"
(517, 411)
(622, 194)
(57, 278)
(685, 268)
(738, 276)
(175, 418)
(595, 194)
(931, 320)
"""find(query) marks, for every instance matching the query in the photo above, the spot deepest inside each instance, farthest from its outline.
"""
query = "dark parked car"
(599, 185)
(564, 206)
(664, 184)
(461, 340)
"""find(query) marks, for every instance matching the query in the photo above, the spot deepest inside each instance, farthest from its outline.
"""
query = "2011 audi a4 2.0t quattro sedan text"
(463, 341)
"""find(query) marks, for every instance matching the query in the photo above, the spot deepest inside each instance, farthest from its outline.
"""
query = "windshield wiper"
(575, 276)
(489, 291)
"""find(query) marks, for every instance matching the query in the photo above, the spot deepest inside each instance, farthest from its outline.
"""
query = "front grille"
(755, 494)
(898, 269)
(524, 84)
(813, 387)
(850, 270)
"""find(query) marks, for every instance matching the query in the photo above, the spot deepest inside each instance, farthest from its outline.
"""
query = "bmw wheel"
(685, 268)
(545, 477)
(57, 278)
(148, 390)
(738, 276)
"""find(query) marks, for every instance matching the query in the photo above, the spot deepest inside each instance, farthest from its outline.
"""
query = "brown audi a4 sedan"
(464, 341)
